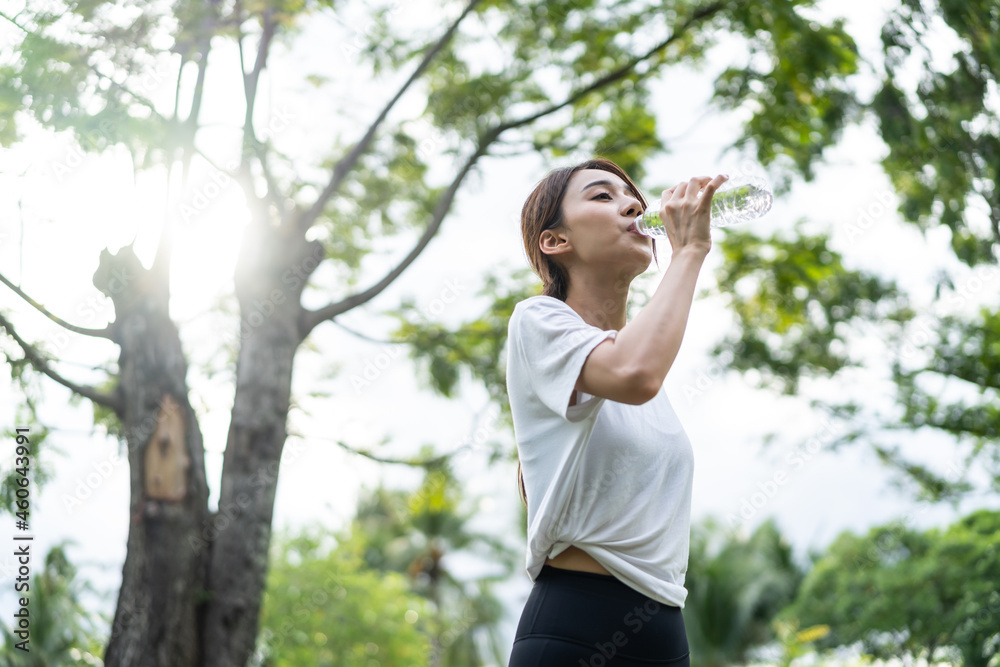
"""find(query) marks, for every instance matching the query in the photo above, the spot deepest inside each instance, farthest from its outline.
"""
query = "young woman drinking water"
(605, 468)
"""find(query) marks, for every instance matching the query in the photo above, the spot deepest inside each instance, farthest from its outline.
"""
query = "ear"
(554, 242)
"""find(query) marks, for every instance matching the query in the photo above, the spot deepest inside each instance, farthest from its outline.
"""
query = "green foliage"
(415, 533)
(388, 193)
(567, 79)
(326, 607)
(965, 351)
(801, 313)
(799, 102)
(322, 604)
(942, 132)
(735, 588)
(39, 469)
(795, 304)
(934, 589)
(62, 631)
(541, 68)
(69, 74)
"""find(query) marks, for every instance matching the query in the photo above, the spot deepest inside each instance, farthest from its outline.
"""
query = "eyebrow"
(602, 182)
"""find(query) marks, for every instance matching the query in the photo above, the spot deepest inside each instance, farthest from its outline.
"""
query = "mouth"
(633, 229)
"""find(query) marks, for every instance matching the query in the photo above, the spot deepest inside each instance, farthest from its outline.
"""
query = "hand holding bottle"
(684, 216)
(743, 198)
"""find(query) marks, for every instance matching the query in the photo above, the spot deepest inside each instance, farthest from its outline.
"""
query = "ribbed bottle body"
(737, 200)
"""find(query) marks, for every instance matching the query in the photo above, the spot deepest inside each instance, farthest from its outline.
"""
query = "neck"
(600, 299)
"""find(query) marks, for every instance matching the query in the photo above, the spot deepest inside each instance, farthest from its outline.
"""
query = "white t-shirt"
(610, 478)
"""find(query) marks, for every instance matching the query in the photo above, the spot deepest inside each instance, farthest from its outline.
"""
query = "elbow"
(645, 386)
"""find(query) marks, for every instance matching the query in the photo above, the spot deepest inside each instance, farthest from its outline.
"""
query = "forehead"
(585, 177)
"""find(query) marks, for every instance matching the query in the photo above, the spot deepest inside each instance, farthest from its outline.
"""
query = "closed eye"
(603, 194)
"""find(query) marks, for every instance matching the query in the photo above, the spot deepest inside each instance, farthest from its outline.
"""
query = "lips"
(633, 229)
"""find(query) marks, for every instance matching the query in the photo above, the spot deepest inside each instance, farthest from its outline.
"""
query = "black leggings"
(586, 619)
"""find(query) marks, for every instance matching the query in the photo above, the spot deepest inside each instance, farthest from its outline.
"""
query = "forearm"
(650, 342)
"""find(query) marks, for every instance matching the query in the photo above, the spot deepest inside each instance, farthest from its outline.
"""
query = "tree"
(735, 588)
(802, 312)
(560, 74)
(417, 534)
(900, 591)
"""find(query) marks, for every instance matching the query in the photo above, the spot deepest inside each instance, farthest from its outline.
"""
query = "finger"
(696, 184)
(714, 184)
(679, 189)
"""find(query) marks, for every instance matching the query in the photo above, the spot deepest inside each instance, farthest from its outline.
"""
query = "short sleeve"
(553, 342)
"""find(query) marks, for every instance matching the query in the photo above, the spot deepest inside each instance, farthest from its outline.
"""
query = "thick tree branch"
(39, 363)
(251, 79)
(251, 146)
(310, 318)
(620, 73)
(344, 166)
(96, 333)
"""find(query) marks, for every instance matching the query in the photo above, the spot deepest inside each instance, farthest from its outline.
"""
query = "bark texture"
(155, 622)
(273, 269)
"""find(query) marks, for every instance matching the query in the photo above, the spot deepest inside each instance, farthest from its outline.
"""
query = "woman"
(607, 467)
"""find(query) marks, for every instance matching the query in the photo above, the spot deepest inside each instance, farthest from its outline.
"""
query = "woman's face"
(598, 209)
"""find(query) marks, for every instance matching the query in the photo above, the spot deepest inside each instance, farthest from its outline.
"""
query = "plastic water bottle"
(737, 200)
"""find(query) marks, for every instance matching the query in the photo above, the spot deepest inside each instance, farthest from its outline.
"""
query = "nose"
(631, 207)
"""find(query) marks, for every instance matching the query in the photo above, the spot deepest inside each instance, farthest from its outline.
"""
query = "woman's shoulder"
(542, 302)
(545, 311)
(542, 299)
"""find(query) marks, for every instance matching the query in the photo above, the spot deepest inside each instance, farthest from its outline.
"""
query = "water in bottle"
(736, 200)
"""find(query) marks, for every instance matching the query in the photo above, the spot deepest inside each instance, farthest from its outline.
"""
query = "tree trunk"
(269, 292)
(155, 620)
(242, 527)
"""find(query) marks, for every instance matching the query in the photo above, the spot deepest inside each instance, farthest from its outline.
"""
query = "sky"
(59, 208)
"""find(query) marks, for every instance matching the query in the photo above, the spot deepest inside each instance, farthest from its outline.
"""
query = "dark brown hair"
(543, 210)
